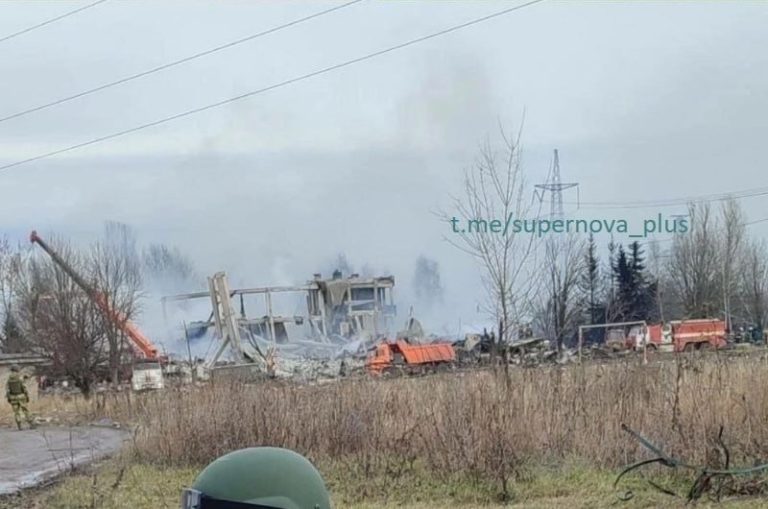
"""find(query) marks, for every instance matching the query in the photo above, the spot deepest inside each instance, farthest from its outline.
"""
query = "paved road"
(30, 457)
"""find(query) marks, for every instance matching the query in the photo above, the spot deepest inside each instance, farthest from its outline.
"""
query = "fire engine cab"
(679, 335)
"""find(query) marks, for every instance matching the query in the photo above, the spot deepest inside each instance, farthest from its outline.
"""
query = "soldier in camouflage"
(16, 394)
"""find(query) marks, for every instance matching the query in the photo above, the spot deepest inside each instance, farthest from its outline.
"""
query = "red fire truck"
(679, 335)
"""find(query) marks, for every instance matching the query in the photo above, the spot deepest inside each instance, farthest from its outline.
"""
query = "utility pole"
(555, 187)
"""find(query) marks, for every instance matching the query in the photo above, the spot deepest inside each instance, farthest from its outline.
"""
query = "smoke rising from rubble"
(270, 190)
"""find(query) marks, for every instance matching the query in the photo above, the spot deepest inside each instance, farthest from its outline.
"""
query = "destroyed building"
(342, 307)
(343, 316)
(351, 307)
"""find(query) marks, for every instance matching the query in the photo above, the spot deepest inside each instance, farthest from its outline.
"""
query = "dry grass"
(69, 408)
(478, 426)
(539, 437)
(123, 483)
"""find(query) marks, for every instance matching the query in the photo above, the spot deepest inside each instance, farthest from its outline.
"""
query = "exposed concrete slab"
(30, 457)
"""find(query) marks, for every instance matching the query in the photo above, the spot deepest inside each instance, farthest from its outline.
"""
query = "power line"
(174, 63)
(52, 20)
(674, 202)
(296, 79)
(748, 223)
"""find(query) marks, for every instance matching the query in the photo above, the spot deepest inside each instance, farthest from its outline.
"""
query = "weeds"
(482, 426)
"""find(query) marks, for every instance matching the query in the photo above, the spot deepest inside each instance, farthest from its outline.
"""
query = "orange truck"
(408, 358)
(679, 335)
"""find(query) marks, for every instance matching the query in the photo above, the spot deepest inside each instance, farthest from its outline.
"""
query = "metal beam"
(239, 291)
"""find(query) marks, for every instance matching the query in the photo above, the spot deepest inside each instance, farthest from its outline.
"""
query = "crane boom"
(140, 342)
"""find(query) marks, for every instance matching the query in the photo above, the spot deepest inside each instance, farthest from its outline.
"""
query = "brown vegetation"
(477, 425)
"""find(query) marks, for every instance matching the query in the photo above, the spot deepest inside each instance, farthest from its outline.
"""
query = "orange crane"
(141, 344)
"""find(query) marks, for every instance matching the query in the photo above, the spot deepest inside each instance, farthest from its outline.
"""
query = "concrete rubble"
(306, 360)
(346, 317)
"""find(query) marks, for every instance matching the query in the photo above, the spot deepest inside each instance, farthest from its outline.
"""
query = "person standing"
(16, 394)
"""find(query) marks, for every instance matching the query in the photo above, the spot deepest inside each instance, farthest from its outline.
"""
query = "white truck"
(147, 375)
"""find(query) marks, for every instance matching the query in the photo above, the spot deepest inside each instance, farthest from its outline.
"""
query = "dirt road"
(30, 457)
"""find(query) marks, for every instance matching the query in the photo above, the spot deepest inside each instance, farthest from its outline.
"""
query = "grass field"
(119, 484)
(538, 437)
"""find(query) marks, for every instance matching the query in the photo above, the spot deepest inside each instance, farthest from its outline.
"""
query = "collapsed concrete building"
(342, 318)
(351, 307)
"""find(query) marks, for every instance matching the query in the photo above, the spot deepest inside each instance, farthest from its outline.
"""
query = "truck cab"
(654, 336)
(147, 375)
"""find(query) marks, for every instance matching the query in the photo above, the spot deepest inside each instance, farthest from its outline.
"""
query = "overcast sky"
(645, 100)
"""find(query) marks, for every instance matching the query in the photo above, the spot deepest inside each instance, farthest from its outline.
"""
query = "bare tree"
(426, 282)
(168, 268)
(694, 267)
(59, 320)
(562, 304)
(754, 284)
(115, 269)
(494, 191)
(590, 282)
(655, 265)
(666, 295)
(731, 252)
(613, 308)
(660, 269)
(11, 339)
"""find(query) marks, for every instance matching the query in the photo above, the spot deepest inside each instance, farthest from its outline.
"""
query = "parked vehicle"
(679, 335)
(401, 356)
(147, 375)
